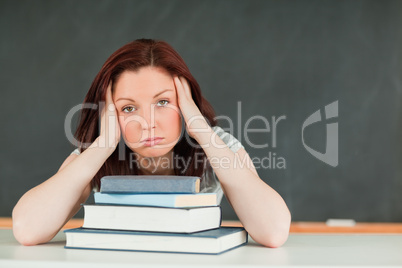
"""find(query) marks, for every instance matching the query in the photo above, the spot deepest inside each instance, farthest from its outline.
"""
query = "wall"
(251, 58)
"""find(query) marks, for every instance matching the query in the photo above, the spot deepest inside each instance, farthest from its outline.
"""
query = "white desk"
(301, 250)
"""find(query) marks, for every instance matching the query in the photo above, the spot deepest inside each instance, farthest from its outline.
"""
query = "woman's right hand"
(110, 133)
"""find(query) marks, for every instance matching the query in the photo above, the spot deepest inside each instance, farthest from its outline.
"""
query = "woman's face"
(147, 107)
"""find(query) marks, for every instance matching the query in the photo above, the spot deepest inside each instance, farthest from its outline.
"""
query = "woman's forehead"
(147, 80)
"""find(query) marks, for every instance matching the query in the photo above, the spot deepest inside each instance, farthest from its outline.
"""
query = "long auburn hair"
(131, 57)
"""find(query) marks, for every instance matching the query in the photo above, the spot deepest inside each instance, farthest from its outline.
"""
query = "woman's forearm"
(260, 208)
(43, 210)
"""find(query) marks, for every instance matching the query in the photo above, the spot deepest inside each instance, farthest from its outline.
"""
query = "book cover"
(154, 219)
(207, 242)
(150, 184)
(158, 200)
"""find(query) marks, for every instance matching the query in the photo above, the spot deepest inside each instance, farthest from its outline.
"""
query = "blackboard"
(264, 61)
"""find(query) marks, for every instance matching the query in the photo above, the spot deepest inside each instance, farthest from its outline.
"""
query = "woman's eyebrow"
(163, 91)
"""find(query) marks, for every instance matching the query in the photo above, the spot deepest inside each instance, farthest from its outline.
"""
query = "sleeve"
(76, 151)
(229, 139)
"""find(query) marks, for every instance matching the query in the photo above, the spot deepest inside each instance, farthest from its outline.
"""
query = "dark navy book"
(214, 241)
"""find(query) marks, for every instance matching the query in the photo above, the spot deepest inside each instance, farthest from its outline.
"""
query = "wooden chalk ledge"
(296, 227)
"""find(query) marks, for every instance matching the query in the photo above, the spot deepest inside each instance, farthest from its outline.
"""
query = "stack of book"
(154, 213)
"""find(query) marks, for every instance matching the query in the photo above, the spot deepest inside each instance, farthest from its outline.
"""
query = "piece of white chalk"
(340, 222)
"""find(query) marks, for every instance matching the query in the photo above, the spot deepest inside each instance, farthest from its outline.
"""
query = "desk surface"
(301, 250)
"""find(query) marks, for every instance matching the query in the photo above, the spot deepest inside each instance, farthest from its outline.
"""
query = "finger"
(179, 87)
(102, 119)
(109, 97)
(109, 107)
(186, 87)
(177, 83)
(107, 101)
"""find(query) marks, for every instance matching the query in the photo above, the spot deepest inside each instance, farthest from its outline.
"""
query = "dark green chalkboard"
(272, 59)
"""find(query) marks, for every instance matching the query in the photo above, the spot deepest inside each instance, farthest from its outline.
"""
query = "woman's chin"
(153, 151)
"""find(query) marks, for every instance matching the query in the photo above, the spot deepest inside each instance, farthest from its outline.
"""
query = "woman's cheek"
(171, 121)
(131, 131)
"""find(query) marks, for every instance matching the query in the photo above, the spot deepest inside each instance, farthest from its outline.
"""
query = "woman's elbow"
(273, 240)
(28, 237)
(274, 237)
(25, 240)
(23, 233)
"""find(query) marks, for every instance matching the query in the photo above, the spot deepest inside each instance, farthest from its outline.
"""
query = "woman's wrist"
(102, 143)
(203, 136)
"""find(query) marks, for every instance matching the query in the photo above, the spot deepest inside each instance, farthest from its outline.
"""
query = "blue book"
(158, 200)
(150, 184)
(207, 242)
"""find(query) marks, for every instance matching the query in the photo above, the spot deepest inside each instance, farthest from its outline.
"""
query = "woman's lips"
(152, 141)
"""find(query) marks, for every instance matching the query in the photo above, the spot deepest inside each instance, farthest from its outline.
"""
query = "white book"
(152, 219)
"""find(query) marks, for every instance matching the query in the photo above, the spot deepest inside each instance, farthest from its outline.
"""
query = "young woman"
(154, 121)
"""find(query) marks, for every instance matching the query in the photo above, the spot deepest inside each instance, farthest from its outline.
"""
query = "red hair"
(133, 56)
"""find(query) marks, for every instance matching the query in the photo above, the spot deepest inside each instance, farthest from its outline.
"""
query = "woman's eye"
(128, 109)
(163, 102)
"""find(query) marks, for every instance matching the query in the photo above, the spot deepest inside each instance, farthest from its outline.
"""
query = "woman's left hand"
(195, 121)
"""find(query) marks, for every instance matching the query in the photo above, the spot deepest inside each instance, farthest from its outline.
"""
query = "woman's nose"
(149, 118)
